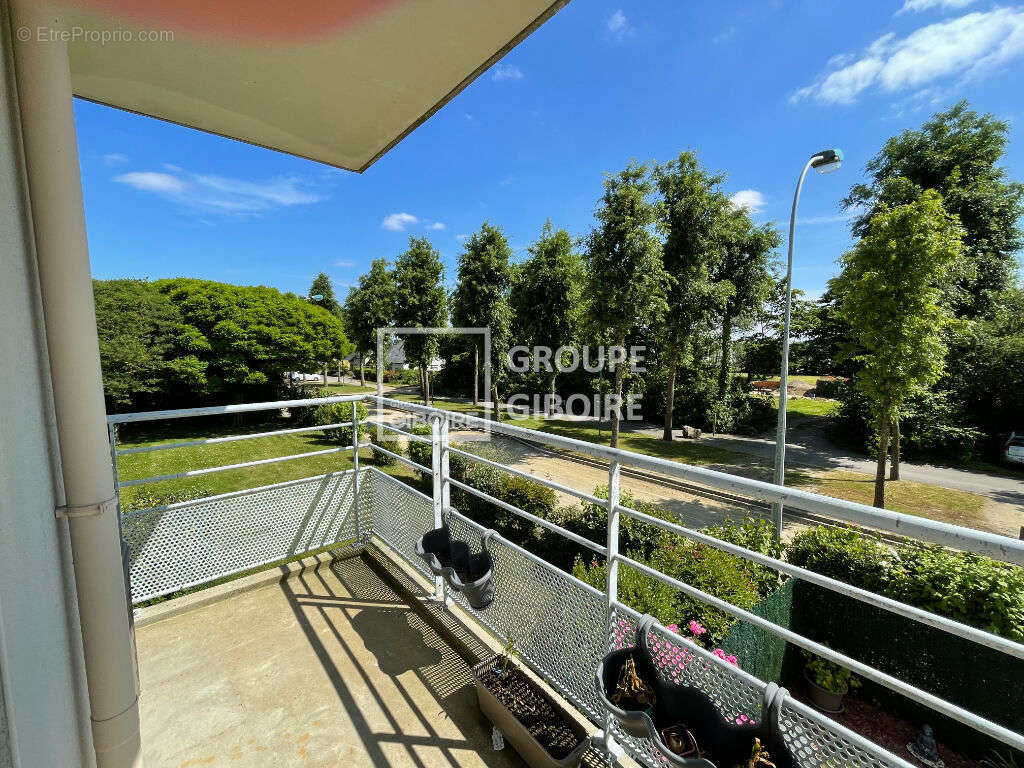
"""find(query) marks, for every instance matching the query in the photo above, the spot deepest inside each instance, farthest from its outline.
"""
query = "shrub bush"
(305, 415)
(828, 386)
(421, 453)
(338, 413)
(843, 554)
(754, 414)
(382, 459)
(965, 587)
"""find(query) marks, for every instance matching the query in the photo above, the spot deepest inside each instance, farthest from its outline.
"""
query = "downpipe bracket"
(86, 510)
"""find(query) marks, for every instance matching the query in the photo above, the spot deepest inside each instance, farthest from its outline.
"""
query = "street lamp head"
(317, 297)
(827, 160)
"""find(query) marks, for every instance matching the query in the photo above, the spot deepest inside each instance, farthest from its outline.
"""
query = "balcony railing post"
(355, 471)
(435, 461)
(612, 585)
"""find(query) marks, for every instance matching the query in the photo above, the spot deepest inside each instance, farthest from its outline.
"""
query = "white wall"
(42, 719)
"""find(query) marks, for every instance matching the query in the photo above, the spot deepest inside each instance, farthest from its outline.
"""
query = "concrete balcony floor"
(328, 667)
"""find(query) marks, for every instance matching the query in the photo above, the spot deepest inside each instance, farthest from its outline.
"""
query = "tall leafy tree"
(421, 303)
(480, 299)
(745, 276)
(893, 293)
(369, 306)
(955, 153)
(627, 278)
(546, 294)
(692, 217)
(321, 293)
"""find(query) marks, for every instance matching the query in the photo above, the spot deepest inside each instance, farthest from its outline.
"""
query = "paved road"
(804, 448)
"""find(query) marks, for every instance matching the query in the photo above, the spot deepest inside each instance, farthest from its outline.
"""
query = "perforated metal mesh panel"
(401, 516)
(555, 620)
(200, 541)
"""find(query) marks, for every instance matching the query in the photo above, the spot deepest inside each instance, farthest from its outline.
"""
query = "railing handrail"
(1003, 548)
(220, 410)
(953, 536)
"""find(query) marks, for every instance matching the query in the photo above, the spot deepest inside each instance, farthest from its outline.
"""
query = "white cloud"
(437, 225)
(462, 238)
(151, 181)
(924, 5)
(344, 263)
(969, 46)
(115, 158)
(220, 194)
(725, 35)
(750, 199)
(618, 26)
(507, 72)
(397, 222)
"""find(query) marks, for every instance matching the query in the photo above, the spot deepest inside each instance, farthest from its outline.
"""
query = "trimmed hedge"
(968, 588)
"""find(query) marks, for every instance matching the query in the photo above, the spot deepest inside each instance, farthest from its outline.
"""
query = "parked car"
(1012, 451)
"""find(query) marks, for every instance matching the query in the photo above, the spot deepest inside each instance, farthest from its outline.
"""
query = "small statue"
(925, 749)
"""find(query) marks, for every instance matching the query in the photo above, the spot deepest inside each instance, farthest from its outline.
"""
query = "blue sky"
(753, 87)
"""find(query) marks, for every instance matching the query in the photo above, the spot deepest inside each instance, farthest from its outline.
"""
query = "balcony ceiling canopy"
(338, 81)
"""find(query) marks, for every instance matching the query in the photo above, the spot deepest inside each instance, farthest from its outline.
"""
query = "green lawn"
(686, 451)
(920, 499)
(352, 389)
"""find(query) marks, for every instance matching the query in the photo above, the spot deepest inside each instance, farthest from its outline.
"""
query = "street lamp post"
(823, 162)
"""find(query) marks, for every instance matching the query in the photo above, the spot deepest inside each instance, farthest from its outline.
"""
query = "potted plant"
(685, 724)
(466, 572)
(540, 729)
(827, 683)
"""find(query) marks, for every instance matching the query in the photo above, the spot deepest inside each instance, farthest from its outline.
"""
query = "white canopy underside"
(343, 97)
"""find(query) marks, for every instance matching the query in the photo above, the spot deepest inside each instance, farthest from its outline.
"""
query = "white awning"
(338, 81)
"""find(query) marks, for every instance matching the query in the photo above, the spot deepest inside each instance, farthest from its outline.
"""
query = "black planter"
(465, 572)
(677, 704)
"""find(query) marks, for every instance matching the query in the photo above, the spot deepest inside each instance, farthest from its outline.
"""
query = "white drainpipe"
(58, 220)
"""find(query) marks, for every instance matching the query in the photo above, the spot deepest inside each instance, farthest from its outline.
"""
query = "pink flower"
(719, 653)
(732, 660)
(741, 719)
(674, 627)
(696, 628)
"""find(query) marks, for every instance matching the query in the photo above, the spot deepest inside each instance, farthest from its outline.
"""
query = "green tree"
(746, 276)
(626, 276)
(250, 336)
(892, 292)
(321, 293)
(369, 306)
(149, 355)
(955, 153)
(421, 303)
(480, 299)
(692, 217)
(547, 293)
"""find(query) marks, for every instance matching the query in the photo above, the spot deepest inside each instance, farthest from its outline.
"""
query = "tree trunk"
(476, 374)
(426, 374)
(362, 369)
(339, 371)
(325, 374)
(670, 386)
(551, 382)
(494, 401)
(894, 471)
(883, 449)
(723, 372)
(620, 342)
(423, 384)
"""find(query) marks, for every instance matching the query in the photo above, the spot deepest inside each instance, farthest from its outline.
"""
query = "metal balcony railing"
(561, 625)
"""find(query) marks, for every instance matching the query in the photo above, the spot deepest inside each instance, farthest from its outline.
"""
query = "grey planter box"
(515, 733)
